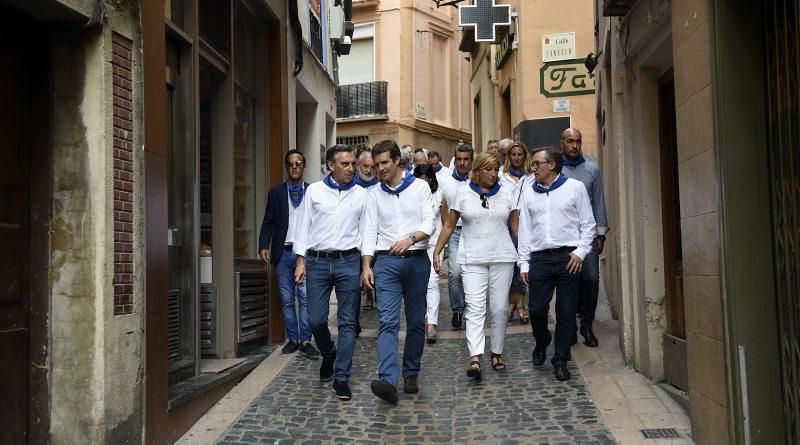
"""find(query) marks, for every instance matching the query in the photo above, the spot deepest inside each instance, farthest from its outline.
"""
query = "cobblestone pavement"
(520, 405)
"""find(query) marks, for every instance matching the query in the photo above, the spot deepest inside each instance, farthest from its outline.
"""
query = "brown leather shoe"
(410, 385)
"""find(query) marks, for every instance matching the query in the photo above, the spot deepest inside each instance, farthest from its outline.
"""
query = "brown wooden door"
(14, 242)
(675, 371)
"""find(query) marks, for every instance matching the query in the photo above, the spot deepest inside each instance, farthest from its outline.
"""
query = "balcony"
(361, 100)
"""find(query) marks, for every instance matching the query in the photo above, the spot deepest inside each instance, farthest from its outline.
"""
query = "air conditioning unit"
(336, 23)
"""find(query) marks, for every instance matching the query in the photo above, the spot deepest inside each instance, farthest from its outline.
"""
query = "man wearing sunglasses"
(556, 229)
(278, 231)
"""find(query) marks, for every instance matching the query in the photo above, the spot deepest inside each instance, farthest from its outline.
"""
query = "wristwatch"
(601, 237)
(413, 238)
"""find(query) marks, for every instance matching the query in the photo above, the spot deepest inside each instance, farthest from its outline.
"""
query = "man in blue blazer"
(277, 233)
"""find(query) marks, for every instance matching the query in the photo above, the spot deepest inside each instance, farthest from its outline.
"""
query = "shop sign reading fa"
(485, 16)
(566, 78)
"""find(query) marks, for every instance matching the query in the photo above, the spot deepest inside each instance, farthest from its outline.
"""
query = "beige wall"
(521, 73)
(416, 53)
(660, 36)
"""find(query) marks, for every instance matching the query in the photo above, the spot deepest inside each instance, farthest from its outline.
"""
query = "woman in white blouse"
(427, 173)
(517, 175)
(486, 254)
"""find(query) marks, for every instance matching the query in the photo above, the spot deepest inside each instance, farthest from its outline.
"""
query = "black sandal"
(474, 370)
(497, 363)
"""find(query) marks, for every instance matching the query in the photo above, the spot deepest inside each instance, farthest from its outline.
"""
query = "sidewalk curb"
(224, 414)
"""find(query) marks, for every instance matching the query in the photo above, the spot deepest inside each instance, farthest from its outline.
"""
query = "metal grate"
(361, 100)
(353, 140)
(173, 326)
(251, 301)
(316, 37)
(783, 94)
(208, 320)
(660, 433)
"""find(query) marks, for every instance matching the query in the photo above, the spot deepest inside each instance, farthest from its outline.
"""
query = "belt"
(408, 253)
(287, 247)
(563, 249)
(330, 254)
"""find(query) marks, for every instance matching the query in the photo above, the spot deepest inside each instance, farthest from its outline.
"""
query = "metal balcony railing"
(361, 100)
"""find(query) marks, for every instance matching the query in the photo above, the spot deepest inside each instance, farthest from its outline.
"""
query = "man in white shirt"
(556, 231)
(435, 160)
(326, 245)
(450, 186)
(399, 220)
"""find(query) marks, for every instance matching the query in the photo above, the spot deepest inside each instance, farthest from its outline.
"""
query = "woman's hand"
(437, 266)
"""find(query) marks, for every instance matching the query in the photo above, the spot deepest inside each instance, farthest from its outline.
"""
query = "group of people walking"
(514, 223)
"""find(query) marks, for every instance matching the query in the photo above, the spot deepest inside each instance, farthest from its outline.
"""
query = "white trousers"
(477, 279)
(434, 295)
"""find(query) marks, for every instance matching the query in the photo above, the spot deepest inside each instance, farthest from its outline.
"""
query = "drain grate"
(660, 433)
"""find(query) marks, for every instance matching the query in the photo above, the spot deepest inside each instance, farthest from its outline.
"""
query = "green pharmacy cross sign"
(565, 78)
(485, 16)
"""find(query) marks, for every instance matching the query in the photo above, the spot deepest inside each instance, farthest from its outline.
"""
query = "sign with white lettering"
(558, 47)
(565, 78)
(485, 16)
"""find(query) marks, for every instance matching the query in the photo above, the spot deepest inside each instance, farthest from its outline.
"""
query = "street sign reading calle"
(485, 16)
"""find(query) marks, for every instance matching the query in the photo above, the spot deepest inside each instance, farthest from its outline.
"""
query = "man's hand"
(437, 266)
(300, 270)
(264, 254)
(601, 243)
(367, 279)
(575, 264)
(524, 277)
(400, 247)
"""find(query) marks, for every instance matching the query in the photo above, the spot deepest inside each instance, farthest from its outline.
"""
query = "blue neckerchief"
(296, 193)
(560, 180)
(438, 167)
(574, 162)
(410, 167)
(407, 180)
(516, 173)
(332, 184)
(361, 182)
(492, 191)
(459, 178)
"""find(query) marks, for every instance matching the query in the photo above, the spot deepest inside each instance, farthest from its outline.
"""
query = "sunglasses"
(485, 200)
(298, 164)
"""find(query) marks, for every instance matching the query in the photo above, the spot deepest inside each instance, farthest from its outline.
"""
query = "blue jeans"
(548, 272)
(400, 279)
(590, 286)
(293, 297)
(322, 276)
(455, 287)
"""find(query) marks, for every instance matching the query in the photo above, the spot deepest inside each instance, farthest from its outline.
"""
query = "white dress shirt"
(450, 187)
(391, 217)
(294, 220)
(330, 219)
(560, 218)
(484, 236)
(444, 172)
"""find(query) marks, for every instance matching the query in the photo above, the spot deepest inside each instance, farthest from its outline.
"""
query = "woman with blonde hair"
(486, 256)
(517, 174)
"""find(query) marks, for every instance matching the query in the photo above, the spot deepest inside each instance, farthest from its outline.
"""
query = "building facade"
(404, 78)
(531, 84)
(693, 106)
(143, 137)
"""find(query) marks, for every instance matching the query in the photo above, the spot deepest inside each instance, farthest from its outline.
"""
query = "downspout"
(297, 32)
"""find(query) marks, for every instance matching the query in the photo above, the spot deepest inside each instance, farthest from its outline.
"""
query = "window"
(439, 69)
(359, 65)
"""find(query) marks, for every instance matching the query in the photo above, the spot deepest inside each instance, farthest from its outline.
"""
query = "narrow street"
(283, 401)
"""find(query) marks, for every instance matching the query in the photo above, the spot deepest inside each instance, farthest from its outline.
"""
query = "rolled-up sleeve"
(586, 222)
(370, 226)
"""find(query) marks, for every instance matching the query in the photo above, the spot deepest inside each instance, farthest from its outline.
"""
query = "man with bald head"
(419, 157)
(577, 167)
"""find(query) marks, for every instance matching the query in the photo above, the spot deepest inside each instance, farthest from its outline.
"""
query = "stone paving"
(519, 405)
